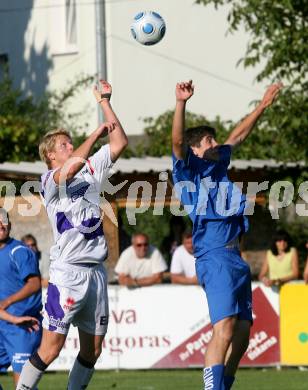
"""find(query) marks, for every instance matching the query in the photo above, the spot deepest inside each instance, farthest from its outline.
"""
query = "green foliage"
(158, 131)
(23, 120)
(157, 227)
(278, 41)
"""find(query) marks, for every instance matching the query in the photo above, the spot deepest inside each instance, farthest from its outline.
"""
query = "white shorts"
(77, 295)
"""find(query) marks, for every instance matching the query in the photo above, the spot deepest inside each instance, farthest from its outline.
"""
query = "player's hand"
(184, 91)
(31, 323)
(103, 91)
(106, 128)
(271, 94)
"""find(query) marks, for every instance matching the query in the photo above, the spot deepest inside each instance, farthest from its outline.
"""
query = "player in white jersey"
(77, 291)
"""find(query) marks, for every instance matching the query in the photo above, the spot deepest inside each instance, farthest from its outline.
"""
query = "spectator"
(42, 258)
(20, 295)
(183, 269)
(305, 275)
(281, 262)
(141, 264)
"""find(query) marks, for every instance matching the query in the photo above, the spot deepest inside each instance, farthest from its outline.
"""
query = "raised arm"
(117, 138)
(183, 92)
(81, 154)
(242, 131)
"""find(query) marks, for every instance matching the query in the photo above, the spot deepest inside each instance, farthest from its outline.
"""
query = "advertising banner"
(263, 349)
(294, 324)
(264, 345)
(168, 326)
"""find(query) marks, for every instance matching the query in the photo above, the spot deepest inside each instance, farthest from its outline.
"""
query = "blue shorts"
(226, 279)
(16, 346)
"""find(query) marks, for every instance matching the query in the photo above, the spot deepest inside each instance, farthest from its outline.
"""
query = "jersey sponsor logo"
(21, 357)
(69, 303)
(58, 323)
(104, 320)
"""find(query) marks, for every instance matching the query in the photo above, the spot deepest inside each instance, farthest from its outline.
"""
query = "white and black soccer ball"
(148, 27)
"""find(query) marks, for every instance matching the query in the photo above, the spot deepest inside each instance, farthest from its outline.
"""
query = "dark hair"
(187, 234)
(278, 236)
(194, 135)
(27, 237)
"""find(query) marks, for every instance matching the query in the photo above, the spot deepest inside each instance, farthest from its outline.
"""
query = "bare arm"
(242, 131)
(263, 275)
(126, 280)
(181, 279)
(32, 285)
(150, 280)
(183, 92)
(81, 154)
(117, 138)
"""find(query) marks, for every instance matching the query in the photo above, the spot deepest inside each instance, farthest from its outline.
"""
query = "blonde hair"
(48, 142)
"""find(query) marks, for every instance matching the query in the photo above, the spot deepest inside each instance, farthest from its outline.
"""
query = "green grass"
(247, 379)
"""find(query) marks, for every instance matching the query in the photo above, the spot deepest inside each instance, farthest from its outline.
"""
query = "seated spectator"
(183, 269)
(141, 264)
(42, 258)
(281, 262)
(305, 275)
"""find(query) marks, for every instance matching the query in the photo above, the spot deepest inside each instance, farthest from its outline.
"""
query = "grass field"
(247, 379)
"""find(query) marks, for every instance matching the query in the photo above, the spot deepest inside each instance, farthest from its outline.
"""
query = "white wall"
(195, 46)
(32, 34)
(143, 78)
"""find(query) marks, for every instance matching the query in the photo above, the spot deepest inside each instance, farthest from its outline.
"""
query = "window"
(63, 27)
(70, 22)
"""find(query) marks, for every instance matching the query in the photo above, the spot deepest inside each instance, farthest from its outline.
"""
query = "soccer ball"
(148, 28)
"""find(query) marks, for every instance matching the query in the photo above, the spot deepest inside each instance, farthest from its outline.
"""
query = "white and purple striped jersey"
(74, 212)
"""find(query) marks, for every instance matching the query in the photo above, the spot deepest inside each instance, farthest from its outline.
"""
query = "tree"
(158, 132)
(23, 120)
(278, 38)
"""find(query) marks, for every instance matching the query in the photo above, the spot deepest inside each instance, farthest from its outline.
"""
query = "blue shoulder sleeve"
(25, 262)
(225, 152)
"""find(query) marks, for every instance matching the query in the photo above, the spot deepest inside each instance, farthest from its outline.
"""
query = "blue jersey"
(17, 262)
(215, 204)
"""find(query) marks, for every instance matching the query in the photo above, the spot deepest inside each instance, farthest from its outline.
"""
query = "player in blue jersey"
(20, 296)
(77, 290)
(216, 207)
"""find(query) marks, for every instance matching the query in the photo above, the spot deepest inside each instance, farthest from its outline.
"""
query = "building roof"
(143, 165)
